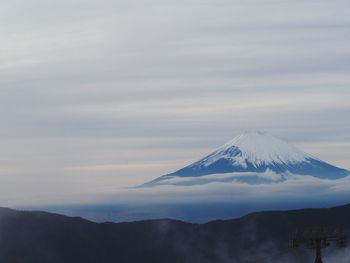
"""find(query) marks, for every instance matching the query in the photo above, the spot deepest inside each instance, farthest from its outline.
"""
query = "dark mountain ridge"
(257, 237)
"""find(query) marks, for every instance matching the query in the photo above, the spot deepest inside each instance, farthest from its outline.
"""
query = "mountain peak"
(258, 148)
(252, 157)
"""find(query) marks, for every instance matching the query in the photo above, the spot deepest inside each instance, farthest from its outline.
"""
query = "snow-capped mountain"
(253, 157)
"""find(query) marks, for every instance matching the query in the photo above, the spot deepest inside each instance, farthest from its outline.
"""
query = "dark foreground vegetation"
(39, 237)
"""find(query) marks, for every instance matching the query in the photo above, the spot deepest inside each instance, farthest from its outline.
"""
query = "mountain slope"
(28, 237)
(259, 153)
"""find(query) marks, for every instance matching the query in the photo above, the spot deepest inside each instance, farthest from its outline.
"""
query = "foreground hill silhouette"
(258, 237)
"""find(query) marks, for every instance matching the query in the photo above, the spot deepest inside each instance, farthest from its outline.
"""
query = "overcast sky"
(101, 95)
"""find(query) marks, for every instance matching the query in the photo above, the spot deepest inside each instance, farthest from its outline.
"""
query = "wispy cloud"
(90, 84)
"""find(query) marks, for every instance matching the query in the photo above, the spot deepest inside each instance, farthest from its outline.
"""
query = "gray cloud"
(99, 95)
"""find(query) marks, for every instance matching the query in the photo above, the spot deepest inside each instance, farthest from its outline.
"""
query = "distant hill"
(39, 237)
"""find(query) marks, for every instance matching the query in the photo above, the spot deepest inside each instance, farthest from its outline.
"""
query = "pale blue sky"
(99, 95)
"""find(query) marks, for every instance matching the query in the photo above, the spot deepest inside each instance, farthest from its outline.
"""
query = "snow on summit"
(258, 148)
(252, 158)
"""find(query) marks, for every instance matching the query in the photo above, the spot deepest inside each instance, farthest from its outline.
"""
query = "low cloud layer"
(197, 203)
(297, 189)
